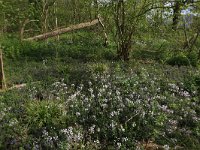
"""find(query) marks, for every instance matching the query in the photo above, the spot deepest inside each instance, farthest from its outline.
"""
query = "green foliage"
(11, 48)
(184, 59)
(78, 48)
(110, 108)
(98, 68)
(179, 60)
(44, 114)
(193, 58)
(159, 56)
(77, 96)
(13, 13)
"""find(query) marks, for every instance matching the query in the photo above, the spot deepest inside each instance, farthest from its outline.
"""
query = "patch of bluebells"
(121, 109)
(133, 106)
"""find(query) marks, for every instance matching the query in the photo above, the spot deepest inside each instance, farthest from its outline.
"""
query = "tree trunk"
(2, 76)
(56, 18)
(199, 55)
(43, 16)
(124, 32)
(104, 31)
(5, 23)
(176, 14)
(23, 28)
(96, 6)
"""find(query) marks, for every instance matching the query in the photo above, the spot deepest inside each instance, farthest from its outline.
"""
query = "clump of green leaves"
(179, 60)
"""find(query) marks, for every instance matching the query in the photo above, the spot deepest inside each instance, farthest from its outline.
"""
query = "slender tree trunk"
(199, 54)
(119, 21)
(176, 14)
(90, 9)
(194, 41)
(191, 42)
(74, 11)
(56, 18)
(75, 18)
(2, 76)
(104, 31)
(46, 20)
(187, 43)
(96, 6)
(45, 12)
(23, 28)
(5, 23)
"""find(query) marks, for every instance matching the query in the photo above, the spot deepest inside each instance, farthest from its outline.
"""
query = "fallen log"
(17, 86)
(63, 30)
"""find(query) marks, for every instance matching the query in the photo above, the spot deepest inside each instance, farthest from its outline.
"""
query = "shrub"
(179, 60)
(18, 50)
(45, 119)
(193, 58)
(44, 114)
(11, 47)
